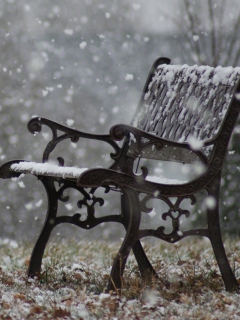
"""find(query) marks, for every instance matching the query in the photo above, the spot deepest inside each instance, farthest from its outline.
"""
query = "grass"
(72, 284)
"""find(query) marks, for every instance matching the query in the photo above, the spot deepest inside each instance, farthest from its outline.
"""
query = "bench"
(186, 114)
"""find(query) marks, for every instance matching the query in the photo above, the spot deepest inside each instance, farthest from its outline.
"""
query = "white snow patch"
(69, 32)
(69, 206)
(39, 203)
(199, 168)
(136, 6)
(76, 266)
(46, 135)
(195, 143)
(129, 77)
(49, 89)
(7, 260)
(174, 275)
(29, 206)
(21, 184)
(210, 202)
(162, 311)
(195, 38)
(70, 122)
(104, 296)
(27, 8)
(13, 244)
(9, 242)
(152, 213)
(82, 45)
(96, 58)
(164, 180)
(74, 145)
(237, 96)
(151, 298)
(7, 297)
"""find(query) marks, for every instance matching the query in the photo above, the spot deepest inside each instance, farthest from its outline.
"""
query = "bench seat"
(72, 173)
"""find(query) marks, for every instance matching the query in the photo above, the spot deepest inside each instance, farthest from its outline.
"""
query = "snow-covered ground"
(74, 277)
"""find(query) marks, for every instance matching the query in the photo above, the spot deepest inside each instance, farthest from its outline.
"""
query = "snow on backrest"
(184, 101)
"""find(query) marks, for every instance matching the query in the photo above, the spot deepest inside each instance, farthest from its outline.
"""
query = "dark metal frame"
(120, 177)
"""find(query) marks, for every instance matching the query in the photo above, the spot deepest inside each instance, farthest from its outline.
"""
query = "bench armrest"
(142, 140)
(61, 132)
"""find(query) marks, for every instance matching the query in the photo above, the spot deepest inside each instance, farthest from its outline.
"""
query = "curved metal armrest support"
(35, 126)
(6, 172)
(137, 136)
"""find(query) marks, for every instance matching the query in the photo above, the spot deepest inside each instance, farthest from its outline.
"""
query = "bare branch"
(177, 22)
(237, 58)
(220, 36)
(194, 44)
(233, 40)
(185, 32)
(212, 31)
(214, 46)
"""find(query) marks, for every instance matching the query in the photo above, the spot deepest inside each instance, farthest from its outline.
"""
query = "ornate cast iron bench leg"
(134, 214)
(215, 237)
(144, 264)
(38, 251)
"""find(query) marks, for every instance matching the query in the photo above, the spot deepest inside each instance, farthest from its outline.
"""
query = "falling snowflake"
(82, 45)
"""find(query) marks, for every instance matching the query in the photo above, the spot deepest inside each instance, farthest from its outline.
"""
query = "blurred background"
(87, 61)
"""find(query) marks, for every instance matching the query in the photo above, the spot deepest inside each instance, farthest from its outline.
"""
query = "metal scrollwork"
(174, 213)
(89, 201)
(139, 140)
(61, 132)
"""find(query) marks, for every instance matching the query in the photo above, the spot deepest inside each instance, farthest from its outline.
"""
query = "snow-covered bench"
(186, 114)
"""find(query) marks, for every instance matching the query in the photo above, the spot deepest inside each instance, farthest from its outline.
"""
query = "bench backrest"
(179, 102)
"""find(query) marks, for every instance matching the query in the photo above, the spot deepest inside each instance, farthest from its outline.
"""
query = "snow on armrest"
(47, 169)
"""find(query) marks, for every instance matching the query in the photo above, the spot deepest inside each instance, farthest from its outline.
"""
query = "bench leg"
(215, 237)
(144, 264)
(38, 251)
(134, 213)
